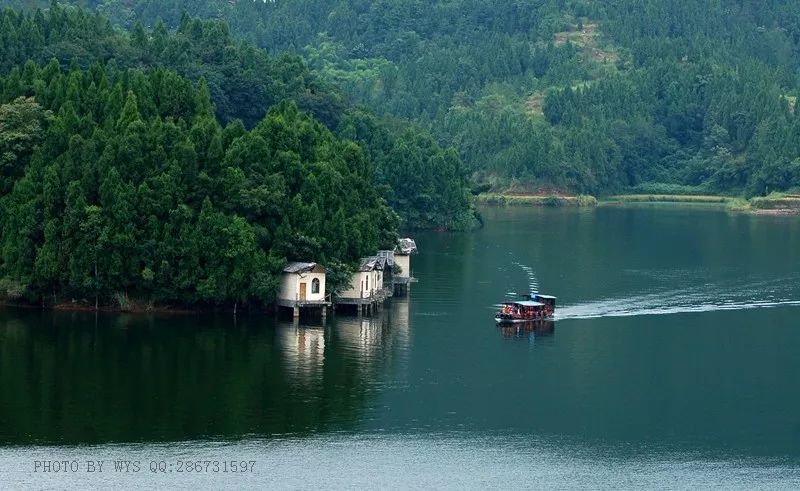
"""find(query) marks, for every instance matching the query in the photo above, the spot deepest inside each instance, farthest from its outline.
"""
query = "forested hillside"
(583, 95)
(186, 168)
(244, 82)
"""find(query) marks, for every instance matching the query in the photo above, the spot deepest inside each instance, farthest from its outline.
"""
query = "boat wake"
(709, 298)
(587, 312)
(533, 283)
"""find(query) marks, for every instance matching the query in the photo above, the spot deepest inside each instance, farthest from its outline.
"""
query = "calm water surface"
(673, 363)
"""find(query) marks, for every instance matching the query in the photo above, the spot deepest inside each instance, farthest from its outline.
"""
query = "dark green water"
(673, 363)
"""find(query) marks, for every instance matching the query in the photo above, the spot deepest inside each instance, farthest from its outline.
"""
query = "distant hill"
(582, 95)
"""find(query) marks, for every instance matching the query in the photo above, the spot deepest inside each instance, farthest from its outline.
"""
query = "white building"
(402, 257)
(303, 285)
(366, 285)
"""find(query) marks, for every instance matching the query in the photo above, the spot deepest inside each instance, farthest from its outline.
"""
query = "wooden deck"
(283, 302)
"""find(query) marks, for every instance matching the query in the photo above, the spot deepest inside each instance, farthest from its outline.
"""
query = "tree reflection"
(80, 378)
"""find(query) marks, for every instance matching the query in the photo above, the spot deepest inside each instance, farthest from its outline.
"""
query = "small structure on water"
(366, 286)
(303, 286)
(402, 265)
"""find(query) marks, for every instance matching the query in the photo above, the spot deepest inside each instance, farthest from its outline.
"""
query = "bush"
(738, 204)
(11, 290)
(481, 188)
(123, 301)
(665, 188)
(553, 202)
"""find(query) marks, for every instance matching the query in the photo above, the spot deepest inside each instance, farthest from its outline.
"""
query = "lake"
(673, 362)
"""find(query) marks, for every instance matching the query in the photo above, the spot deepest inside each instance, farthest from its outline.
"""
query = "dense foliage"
(580, 94)
(149, 165)
(125, 183)
(244, 82)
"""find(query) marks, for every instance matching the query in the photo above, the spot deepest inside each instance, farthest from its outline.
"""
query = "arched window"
(315, 285)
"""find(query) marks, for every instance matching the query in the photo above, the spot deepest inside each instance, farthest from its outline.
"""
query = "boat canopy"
(546, 297)
(526, 303)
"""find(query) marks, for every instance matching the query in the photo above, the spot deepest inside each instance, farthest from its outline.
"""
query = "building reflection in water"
(362, 336)
(378, 345)
(374, 345)
(303, 349)
(400, 321)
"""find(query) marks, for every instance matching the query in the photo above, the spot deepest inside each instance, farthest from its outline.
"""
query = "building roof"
(297, 267)
(372, 263)
(388, 255)
(406, 246)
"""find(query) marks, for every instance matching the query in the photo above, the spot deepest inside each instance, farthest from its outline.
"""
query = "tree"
(22, 125)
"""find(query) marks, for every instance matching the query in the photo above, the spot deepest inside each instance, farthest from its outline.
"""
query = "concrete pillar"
(324, 313)
(296, 312)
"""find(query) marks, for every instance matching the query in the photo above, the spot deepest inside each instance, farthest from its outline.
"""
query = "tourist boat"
(533, 307)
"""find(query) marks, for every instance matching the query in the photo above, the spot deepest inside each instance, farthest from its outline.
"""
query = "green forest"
(132, 132)
(184, 167)
(574, 95)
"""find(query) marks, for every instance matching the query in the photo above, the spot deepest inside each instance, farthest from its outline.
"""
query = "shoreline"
(543, 200)
(668, 198)
(108, 309)
(776, 204)
(772, 205)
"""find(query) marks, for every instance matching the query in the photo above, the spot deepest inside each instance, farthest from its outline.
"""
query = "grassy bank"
(774, 204)
(553, 201)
